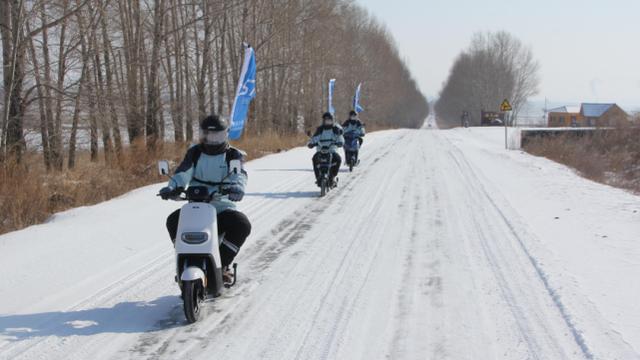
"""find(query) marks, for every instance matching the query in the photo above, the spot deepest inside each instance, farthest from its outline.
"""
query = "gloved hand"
(311, 145)
(168, 192)
(236, 193)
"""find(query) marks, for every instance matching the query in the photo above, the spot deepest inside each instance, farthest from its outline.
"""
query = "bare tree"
(496, 66)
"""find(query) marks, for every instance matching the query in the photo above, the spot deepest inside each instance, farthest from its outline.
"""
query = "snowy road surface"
(441, 245)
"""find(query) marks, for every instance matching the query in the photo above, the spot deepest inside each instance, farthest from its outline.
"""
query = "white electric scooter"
(197, 243)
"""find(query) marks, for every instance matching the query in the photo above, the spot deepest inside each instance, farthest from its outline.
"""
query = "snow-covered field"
(441, 245)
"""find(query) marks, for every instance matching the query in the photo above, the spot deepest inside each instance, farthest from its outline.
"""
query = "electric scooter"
(197, 246)
(324, 166)
(351, 148)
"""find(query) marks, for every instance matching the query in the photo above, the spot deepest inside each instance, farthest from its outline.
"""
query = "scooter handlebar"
(182, 194)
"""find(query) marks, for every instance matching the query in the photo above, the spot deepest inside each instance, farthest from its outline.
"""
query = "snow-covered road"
(441, 245)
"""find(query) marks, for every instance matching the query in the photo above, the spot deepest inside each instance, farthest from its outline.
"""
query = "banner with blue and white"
(245, 92)
(356, 100)
(332, 84)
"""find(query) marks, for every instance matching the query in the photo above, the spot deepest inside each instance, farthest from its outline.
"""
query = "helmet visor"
(211, 137)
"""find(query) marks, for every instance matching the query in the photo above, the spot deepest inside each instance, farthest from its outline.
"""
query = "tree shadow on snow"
(285, 195)
(125, 317)
(284, 170)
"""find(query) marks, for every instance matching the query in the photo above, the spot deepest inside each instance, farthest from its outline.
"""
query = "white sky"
(589, 50)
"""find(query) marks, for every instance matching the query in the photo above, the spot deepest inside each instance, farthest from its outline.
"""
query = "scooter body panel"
(197, 246)
(326, 159)
(351, 143)
(351, 148)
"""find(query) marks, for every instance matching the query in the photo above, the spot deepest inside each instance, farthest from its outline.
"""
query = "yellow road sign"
(505, 106)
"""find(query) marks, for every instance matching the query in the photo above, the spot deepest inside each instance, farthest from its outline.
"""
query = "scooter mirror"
(235, 166)
(163, 167)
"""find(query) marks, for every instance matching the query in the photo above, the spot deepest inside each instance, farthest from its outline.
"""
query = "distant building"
(566, 116)
(588, 115)
(603, 115)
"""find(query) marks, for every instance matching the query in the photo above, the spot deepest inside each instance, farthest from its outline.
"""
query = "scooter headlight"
(194, 237)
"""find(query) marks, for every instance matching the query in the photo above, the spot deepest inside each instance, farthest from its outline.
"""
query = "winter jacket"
(328, 135)
(353, 126)
(198, 169)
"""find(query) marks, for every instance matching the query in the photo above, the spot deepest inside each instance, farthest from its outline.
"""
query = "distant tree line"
(138, 71)
(496, 66)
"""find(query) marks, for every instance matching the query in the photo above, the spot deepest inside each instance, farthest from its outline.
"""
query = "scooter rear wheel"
(192, 296)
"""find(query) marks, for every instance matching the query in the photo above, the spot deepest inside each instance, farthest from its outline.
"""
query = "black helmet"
(214, 138)
(353, 113)
(213, 123)
(327, 115)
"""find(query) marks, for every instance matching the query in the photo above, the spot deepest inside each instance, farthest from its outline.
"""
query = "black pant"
(233, 224)
(335, 167)
(350, 154)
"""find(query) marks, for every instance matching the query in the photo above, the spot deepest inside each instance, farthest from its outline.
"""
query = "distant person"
(355, 126)
(329, 134)
(353, 134)
(207, 164)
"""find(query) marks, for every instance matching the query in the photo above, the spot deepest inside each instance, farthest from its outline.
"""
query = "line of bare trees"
(496, 66)
(141, 71)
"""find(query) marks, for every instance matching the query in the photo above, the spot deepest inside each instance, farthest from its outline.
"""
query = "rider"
(330, 134)
(353, 129)
(353, 124)
(206, 164)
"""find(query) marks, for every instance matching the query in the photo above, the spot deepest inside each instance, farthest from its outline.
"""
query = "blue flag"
(245, 92)
(332, 84)
(356, 100)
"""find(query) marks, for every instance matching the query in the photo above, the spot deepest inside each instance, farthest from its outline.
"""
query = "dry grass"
(608, 156)
(269, 143)
(29, 195)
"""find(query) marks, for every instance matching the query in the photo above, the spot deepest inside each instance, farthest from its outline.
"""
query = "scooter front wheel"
(323, 187)
(192, 297)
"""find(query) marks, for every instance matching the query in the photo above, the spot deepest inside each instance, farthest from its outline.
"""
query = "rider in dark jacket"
(353, 124)
(328, 134)
(353, 134)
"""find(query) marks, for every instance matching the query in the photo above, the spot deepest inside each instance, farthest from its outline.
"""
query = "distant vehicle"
(492, 118)
(325, 163)
(351, 149)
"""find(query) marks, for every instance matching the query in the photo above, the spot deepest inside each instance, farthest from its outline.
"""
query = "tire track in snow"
(422, 282)
(465, 167)
(339, 202)
(362, 227)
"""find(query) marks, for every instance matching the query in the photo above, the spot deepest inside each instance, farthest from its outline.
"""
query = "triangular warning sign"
(505, 106)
